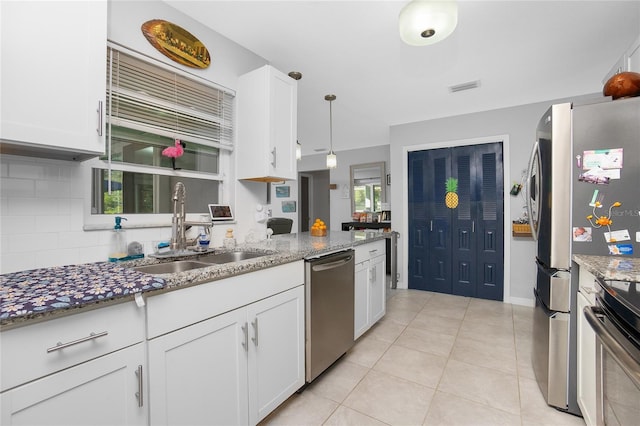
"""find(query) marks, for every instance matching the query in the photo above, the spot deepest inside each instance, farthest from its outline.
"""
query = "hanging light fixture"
(298, 150)
(332, 161)
(424, 22)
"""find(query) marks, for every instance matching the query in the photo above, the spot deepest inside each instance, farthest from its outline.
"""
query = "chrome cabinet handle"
(431, 225)
(245, 343)
(254, 324)
(99, 111)
(274, 162)
(91, 336)
(473, 226)
(139, 394)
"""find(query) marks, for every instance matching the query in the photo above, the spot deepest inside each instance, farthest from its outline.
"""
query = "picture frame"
(282, 191)
(288, 207)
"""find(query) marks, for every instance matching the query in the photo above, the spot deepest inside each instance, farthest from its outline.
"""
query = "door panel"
(438, 168)
(457, 249)
(417, 221)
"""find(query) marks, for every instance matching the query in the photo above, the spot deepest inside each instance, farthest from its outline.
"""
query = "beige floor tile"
(498, 318)
(535, 412)
(426, 341)
(485, 354)
(412, 304)
(489, 333)
(420, 367)
(451, 410)
(390, 399)
(399, 316)
(301, 410)
(345, 416)
(366, 351)
(483, 385)
(451, 311)
(387, 331)
(449, 300)
(340, 379)
(440, 324)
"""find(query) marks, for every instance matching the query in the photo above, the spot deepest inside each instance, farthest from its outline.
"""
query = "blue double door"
(456, 241)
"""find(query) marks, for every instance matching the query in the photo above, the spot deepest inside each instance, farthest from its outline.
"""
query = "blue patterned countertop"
(34, 294)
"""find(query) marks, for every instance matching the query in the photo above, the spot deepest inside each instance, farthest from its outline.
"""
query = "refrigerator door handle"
(535, 152)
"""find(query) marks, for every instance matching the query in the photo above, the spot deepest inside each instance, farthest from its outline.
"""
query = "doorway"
(456, 220)
(313, 198)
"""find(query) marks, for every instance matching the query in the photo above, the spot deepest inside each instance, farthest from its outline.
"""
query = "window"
(150, 108)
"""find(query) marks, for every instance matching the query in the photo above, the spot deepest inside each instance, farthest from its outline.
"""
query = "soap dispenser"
(118, 245)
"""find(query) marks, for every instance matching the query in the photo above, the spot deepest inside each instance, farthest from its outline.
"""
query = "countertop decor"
(37, 291)
(610, 267)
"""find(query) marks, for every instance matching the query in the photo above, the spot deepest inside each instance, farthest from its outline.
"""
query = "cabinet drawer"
(30, 352)
(369, 251)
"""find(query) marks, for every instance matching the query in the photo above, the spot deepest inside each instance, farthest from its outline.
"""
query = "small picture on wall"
(282, 191)
(288, 207)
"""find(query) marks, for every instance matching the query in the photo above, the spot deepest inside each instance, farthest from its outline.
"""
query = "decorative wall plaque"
(176, 43)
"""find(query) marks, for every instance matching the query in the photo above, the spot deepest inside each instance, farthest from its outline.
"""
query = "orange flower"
(604, 221)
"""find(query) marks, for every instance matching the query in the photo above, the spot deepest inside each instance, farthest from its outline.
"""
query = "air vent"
(464, 86)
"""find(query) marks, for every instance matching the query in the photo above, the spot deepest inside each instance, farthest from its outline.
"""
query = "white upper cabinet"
(53, 78)
(267, 108)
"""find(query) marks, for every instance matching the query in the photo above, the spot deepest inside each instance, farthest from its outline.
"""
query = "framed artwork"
(288, 207)
(282, 192)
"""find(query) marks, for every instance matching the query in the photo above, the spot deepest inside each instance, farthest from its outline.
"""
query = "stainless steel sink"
(172, 267)
(231, 256)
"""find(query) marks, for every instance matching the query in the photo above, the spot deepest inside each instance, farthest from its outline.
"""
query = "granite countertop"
(610, 267)
(42, 293)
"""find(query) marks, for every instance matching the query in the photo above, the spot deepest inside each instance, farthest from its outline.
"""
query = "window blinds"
(148, 98)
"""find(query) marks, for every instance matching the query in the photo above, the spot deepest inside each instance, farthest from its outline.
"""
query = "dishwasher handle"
(332, 265)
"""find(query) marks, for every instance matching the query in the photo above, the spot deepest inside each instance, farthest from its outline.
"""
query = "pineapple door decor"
(451, 197)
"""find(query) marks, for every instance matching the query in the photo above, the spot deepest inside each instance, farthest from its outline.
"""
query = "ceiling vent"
(464, 86)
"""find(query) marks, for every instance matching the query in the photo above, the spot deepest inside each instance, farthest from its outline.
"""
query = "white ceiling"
(521, 51)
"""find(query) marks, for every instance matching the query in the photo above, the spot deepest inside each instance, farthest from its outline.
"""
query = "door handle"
(99, 112)
(91, 336)
(254, 324)
(245, 342)
(139, 394)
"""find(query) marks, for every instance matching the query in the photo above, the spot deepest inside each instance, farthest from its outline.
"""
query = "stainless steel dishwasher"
(329, 293)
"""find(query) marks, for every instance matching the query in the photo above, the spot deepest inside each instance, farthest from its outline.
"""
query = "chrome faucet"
(178, 224)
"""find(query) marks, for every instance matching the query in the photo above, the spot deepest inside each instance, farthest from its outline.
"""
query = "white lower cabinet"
(232, 369)
(586, 353)
(108, 390)
(370, 288)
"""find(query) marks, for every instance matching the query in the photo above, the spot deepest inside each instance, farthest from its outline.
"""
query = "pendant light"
(332, 161)
(424, 22)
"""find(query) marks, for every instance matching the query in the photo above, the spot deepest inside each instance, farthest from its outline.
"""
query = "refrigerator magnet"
(582, 234)
(615, 236)
(621, 249)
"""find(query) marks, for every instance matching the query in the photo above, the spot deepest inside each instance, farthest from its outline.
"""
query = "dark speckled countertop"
(47, 292)
(610, 267)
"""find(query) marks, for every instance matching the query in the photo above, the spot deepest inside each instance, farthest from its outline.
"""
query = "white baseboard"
(522, 301)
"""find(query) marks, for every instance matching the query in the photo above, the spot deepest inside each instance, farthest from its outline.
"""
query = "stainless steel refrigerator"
(583, 197)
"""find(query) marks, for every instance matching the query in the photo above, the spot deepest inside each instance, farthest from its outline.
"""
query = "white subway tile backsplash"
(33, 170)
(10, 187)
(52, 189)
(78, 239)
(16, 225)
(52, 223)
(14, 262)
(59, 257)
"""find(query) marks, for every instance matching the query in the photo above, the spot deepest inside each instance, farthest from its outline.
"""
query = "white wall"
(42, 201)
(339, 200)
(518, 124)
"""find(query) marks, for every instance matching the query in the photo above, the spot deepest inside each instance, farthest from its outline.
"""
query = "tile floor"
(434, 359)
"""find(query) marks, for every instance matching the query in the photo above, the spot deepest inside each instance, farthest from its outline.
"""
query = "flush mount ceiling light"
(424, 22)
(332, 161)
